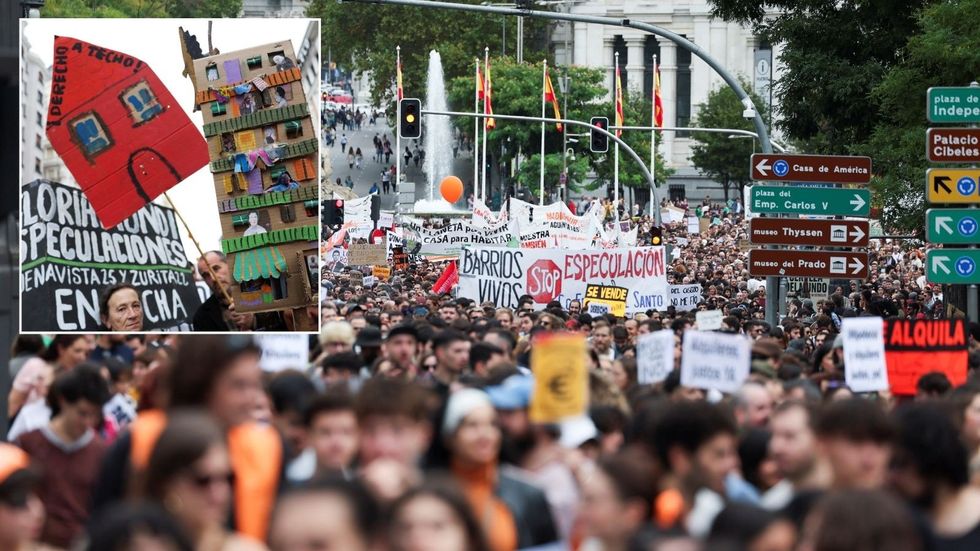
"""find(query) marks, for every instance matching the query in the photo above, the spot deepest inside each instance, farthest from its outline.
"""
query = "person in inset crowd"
(434, 517)
(401, 349)
(120, 308)
(21, 510)
(331, 422)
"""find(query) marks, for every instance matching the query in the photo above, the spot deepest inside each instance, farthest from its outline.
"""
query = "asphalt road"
(370, 171)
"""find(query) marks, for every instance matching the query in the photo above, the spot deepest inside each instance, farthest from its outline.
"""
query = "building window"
(37, 140)
(620, 46)
(288, 213)
(683, 105)
(37, 165)
(254, 62)
(650, 48)
(90, 133)
(40, 77)
(212, 72)
(40, 121)
(40, 98)
(141, 102)
(294, 129)
(218, 109)
(311, 208)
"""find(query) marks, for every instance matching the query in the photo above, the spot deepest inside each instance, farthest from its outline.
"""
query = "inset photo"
(176, 175)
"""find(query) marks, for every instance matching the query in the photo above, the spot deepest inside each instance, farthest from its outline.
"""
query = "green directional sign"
(953, 226)
(954, 104)
(953, 266)
(806, 200)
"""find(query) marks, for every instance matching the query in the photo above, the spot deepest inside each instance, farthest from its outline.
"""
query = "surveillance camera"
(748, 113)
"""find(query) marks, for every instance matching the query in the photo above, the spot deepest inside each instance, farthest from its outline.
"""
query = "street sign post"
(953, 266)
(817, 233)
(830, 169)
(815, 201)
(945, 185)
(953, 226)
(953, 104)
(953, 145)
(825, 264)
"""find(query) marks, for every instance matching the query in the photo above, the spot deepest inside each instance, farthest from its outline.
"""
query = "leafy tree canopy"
(720, 156)
(141, 8)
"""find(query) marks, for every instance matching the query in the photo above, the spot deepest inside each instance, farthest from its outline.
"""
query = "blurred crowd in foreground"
(415, 435)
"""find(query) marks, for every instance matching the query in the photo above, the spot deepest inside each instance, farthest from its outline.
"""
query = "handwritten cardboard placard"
(715, 360)
(654, 356)
(864, 354)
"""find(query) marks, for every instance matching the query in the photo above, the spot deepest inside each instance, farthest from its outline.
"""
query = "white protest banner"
(709, 320)
(570, 231)
(715, 360)
(369, 281)
(483, 217)
(357, 214)
(864, 354)
(386, 219)
(685, 297)
(654, 356)
(693, 226)
(67, 259)
(501, 275)
(450, 239)
(669, 215)
(283, 351)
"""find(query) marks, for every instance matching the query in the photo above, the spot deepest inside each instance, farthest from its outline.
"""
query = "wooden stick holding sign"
(214, 277)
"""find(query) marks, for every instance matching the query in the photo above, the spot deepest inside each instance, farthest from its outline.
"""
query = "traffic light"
(656, 236)
(599, 142)
(333, 213)
(410, 125)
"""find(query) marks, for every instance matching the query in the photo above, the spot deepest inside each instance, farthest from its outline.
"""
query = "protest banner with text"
(916, 347)
(67, 259)
(502, 275)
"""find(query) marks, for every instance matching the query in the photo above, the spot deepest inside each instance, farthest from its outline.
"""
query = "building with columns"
(686, 80)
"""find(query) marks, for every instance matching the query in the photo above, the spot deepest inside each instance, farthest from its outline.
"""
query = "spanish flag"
(488, 101)
(549, 95)
(658, 102)
(398, 77)
(620, 120)
(480, 90)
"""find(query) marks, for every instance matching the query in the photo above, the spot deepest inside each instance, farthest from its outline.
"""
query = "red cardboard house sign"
(916, 347)
(118, 129)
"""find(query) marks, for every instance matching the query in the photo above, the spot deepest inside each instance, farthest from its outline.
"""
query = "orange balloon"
(451, 188)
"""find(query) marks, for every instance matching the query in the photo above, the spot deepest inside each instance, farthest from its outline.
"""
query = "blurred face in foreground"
(315, 522)
(427, 523)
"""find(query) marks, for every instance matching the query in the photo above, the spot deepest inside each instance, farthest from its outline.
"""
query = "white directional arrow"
(762, 167)
(858, 202)
(857, 234)
(856, 265)
(939, 263)
(943, 222)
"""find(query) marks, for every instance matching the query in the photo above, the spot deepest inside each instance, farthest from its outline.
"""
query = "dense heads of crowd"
(409, 429)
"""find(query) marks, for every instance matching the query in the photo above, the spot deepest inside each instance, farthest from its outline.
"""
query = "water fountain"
(438, 142)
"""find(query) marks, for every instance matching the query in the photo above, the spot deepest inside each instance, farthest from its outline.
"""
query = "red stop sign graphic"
(544, 281)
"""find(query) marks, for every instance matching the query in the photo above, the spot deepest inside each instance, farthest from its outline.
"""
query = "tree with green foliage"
(141, 8)
(834, 54)
(363, 37)
(719, 156)
(945, 53)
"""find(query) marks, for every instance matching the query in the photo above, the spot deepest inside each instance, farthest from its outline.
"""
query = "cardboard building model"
(264, 155)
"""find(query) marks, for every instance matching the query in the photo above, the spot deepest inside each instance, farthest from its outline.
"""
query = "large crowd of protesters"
(408, 428)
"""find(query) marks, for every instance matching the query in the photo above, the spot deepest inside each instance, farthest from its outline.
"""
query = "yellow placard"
(381, 272)
(605, 299)
(245, 140)
(953, 186)
(561, 378)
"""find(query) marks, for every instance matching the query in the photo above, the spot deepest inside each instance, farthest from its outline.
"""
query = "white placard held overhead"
(715, 360)
(709, 320)
(864, 354)
(654, 356)
(283, 351)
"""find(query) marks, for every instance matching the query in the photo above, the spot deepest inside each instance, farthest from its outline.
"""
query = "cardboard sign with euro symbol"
(561, 377)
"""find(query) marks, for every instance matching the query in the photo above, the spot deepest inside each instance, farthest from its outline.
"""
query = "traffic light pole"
(608, 134)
